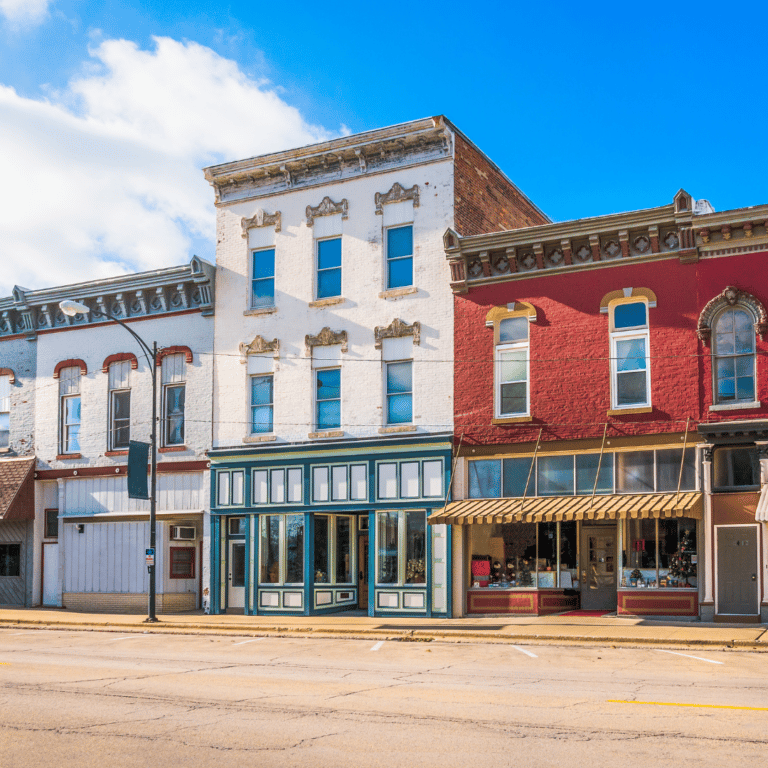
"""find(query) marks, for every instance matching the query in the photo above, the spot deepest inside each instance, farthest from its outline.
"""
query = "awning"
(761, 514)
(17, 489)
(543, 509)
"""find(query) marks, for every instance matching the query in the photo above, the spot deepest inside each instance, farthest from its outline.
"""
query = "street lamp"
(72, 308)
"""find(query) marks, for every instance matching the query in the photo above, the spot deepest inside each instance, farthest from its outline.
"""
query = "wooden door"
(737, 570)
(362, 568)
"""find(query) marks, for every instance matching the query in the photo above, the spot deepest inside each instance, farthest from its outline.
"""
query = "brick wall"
(122, 602)
(569, 349)
(485, 201)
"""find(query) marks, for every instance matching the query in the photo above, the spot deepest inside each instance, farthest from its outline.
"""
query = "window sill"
(115, 453)
(512, 420)
(396, 293)
(320, 303)
(63, 456)
(393, 429)
(172, 448)
(629, 411)
(259, 438)
(259, 311)
(321, 435)
(736, 406)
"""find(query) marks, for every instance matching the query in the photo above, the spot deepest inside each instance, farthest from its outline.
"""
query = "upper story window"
(630, 356)
(328, 268)
(174, 373)
(328, 398)
(69, 410)
(399, 256)
(5, 411)
(736, 469)
(400, 392)
(230, 488)
(733, 352)
(263, 278)
(512, 367)
(262, 404)
(119, 405)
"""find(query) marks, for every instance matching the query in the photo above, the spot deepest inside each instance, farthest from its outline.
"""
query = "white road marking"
(16, 634)
(527, 653)
(378, 645)
(127, 637)
(687, 656)
(252, 640)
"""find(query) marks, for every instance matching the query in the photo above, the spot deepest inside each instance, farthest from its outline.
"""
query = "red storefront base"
(658, 602)
(532, 602)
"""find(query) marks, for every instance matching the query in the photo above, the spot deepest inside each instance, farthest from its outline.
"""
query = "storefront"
(561, 548)
(337, 526)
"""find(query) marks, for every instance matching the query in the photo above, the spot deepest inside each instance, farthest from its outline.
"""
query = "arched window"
(733, 355)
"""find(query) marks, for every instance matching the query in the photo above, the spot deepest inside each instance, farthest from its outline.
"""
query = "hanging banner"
(138, 457)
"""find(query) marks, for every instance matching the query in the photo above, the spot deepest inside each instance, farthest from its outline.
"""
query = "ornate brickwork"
(397, 194)
(326, 338)
(327, 208)
(261, 219)
(259, 346)
(396, 329)
(730, 297)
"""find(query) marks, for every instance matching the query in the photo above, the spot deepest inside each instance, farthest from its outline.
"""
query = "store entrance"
(236, 591)
(737, 584)
(598, 567)
(362, 567)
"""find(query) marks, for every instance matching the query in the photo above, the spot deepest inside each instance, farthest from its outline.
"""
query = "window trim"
(316, 372)
(251, 406)
(46, 534)
(387, 393)
(171, 551)
(269, 469)
(252, 253)
(735, 403)
(340, 294)
(388, 260)
(333, 518)
(112, 430)
(629, 334)
(21, 551)
(329, 466)
(229, 472)
(398, 478)
(282, 551)
(64, 426)
(166, 443)
(402, 566)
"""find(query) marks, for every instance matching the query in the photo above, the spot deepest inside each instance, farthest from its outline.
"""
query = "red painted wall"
(569, 343)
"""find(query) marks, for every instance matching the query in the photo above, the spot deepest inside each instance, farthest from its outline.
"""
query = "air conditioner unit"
(183, 533)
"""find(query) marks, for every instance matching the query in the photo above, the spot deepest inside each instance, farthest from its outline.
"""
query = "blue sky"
(109, 109)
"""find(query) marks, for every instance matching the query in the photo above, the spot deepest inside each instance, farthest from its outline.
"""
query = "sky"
(110, 109)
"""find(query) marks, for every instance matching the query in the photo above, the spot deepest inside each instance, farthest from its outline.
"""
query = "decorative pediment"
(731, 297)
(397, 194)
(259, 346)
(327, 208)
(326, 338)
(395, 330)
(261, 219)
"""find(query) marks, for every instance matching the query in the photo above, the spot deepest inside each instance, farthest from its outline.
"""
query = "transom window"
(412, 479)
(512, 367)
(277, 485)
(230, 488)
(630, 362)
(734, 356)
(340, 482)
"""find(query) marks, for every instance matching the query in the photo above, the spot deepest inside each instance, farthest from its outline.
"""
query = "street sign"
(150, 557)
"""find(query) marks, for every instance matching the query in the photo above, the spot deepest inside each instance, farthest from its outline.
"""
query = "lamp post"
(72, 308)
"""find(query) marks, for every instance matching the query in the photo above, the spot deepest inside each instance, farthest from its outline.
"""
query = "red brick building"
(611, 384)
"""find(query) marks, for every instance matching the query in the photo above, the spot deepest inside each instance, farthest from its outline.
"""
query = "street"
(121, 699)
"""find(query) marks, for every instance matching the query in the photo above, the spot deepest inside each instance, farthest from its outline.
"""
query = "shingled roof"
(17, 489)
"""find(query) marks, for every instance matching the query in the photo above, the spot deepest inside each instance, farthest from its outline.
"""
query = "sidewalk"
(566, 629)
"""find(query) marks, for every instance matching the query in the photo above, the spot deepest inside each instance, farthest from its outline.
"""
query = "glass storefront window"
(270, 549)
(569, 555)
(387, 541)
(281, 541)
(642, 543)
(294, 546)
(634, 472)
(586, 471)
(485, 479)
(343, 550)
(736, 468)
(415, 548)
(659, 553)
(668, 470)
(516, 473)
(322, 575)
(554, 475)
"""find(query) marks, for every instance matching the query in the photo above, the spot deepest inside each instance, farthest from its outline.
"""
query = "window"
(328, 398)
(230, 488)
(182, 563)
(407, 565)
(734, 356)
(410, 479)
(659, 549)
(173, 376)
(262, 404)
(280, 485)
(10, 559)
(400, 392)
(340, 482)
(236, 526)
(69, 409)
(281, 549)
(329, 268)
(333, 549)
(736, 468)
(51, 523)
(119, 405)
(630, 363)
(512, 368)
(400, 257)
(5, 411)
(263, 278)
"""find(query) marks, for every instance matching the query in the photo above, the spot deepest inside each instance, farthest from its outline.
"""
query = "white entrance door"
(50, 574)
(236, 595)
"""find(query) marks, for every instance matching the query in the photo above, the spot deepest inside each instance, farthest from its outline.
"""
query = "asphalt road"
(119, 699)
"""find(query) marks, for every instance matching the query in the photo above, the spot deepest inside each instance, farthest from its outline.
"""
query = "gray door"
(737, 570)
(598, 567)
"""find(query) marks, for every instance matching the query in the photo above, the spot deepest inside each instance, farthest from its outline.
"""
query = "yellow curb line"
(674, 704)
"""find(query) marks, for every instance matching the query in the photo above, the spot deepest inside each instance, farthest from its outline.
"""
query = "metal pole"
(151, 617)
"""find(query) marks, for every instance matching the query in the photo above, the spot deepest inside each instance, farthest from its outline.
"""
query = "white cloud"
(105, 177)
(22, 12)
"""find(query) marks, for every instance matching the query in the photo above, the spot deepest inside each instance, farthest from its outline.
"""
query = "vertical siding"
(12, 588)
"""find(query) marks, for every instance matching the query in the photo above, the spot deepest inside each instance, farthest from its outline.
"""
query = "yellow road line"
(675, 704)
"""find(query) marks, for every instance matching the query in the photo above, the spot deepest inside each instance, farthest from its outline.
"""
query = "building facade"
(610, 415)
(86, 391)
(333, 384)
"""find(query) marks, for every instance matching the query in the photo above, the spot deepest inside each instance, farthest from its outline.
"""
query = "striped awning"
(544, 509)
(761, 514)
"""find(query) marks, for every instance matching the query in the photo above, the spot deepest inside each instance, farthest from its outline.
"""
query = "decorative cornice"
(74, 362)
(327, 208)
(119, 358)
(397, 194)
(9, 373)
(326, 338)
(261, 219)
(259, 346)
(177, 350)
(396, 329)
(732, 297)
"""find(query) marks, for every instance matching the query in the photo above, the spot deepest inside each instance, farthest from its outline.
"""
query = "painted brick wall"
(20, 356)
(570, 375)
(485, 200)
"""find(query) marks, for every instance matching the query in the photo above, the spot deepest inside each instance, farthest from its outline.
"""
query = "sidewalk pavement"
(561, 629)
